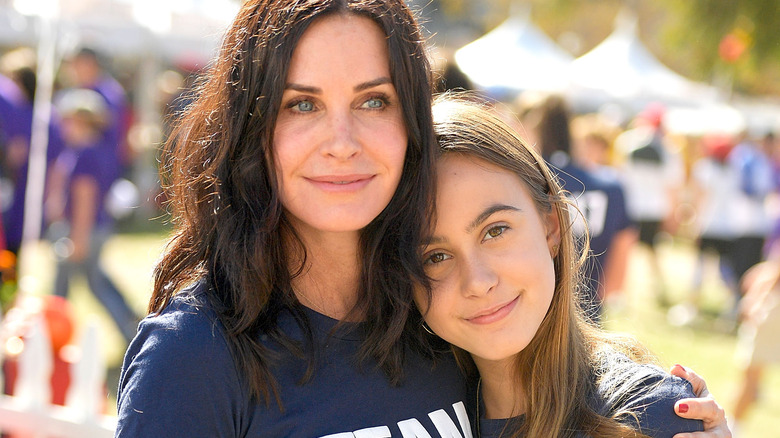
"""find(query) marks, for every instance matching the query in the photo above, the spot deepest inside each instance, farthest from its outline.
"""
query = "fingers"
(704, 408)
(707, 410)
(698, 383)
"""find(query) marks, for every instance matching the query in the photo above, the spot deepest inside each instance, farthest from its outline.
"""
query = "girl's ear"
(553, 226)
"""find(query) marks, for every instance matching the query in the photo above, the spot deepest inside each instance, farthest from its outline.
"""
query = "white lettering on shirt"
(412, 428)
(374, 432)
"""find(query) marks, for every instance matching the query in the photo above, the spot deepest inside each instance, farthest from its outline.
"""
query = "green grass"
(130, 258)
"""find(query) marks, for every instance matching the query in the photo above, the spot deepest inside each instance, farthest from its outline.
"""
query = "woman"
(300, 178)
(502, 263)
(296, 220)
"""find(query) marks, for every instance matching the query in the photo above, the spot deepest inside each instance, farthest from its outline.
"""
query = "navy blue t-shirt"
(180, 380)
(645, 390)
(603, 205)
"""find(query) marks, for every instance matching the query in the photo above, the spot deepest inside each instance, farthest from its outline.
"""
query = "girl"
(504, 274)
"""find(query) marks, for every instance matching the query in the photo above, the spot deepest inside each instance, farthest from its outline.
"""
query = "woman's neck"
(328, 283)
(500, 388)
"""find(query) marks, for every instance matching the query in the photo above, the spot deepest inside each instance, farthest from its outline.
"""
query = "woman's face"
(489, 258)
(340, 138)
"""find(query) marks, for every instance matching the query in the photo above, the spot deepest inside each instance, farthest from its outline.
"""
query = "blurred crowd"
(99, 159)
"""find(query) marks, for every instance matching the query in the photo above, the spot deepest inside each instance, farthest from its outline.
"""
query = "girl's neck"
(500, 389)
(328, 283)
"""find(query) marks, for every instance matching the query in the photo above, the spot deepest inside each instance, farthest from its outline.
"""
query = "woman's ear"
(553, 226)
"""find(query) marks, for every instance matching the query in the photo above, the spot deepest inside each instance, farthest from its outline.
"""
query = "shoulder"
(643, 395)
(187, 329)
(178, 373)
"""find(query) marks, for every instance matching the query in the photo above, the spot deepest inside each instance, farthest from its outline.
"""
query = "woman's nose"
(342, 141)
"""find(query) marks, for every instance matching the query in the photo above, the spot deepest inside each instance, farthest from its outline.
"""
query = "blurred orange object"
(57, 313)
(59, 318)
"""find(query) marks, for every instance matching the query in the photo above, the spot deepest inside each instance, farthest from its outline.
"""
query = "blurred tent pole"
(42, 111)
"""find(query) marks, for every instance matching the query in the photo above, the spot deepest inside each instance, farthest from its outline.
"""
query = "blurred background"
(673, 105)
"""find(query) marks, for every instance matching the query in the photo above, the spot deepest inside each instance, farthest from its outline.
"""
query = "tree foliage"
(701, 27)
(687, 35)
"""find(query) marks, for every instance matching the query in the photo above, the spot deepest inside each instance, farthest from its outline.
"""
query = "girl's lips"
(493, 314)
(341, 183)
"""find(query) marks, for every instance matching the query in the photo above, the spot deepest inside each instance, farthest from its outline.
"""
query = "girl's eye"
(435, 258)
(304, 106)
(494, 232)
(374, 103)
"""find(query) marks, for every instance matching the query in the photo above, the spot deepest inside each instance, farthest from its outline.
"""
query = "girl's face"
(340, 138)
(490, 259)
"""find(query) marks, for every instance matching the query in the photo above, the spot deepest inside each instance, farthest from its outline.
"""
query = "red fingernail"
(678, 365)
(682, 408)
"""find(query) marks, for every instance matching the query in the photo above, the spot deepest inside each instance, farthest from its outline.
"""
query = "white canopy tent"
(621, 70)
(168, 29)
(513, 57)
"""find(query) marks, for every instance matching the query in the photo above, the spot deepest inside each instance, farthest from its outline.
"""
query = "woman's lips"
(341, 183)
(493, 314)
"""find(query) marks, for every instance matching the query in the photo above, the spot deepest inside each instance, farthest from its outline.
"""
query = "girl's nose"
(478, 277)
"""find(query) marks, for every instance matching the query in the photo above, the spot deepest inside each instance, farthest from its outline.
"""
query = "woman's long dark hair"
(230, 226)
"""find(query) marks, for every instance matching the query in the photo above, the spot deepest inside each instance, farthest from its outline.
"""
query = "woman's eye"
(435, 258)
(495, 232)
(374, 103)
(304, 106)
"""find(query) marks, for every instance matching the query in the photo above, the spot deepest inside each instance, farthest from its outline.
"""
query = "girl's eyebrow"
(474, 224)
(487, 213)
(359, 87)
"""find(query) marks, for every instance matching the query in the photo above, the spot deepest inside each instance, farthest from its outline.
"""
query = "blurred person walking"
(18, 87)
(79, 223)
(757, 346)
(600, 200)
(652, 173)
(753, 224)
(731, 182)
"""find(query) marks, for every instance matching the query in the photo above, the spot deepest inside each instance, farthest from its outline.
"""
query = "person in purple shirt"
(18, 86)
(80, 225)
(86, 69)
(11, 101)
(13, 139)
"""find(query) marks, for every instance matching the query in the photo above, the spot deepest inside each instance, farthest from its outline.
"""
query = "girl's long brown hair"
(230, 226)
(558, 367)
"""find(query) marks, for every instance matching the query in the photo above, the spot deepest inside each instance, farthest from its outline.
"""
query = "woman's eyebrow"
(487, 213)
(373, 83)
(303, 88)
(359, 87)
